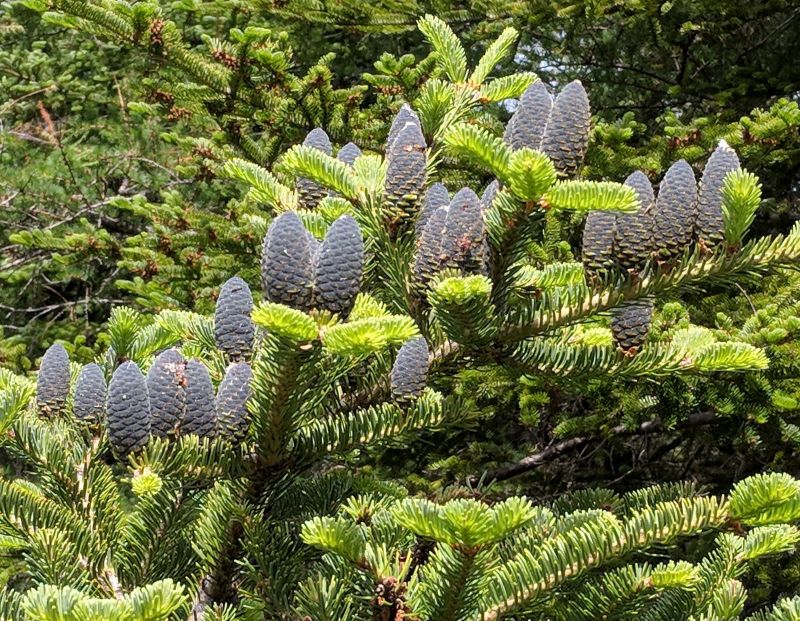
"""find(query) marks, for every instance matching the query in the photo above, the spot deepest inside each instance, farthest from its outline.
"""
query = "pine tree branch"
(163, 41)
(554, 451)
(759, 257)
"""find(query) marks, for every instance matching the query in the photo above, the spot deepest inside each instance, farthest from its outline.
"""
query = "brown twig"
(52, 132)
(556, 450)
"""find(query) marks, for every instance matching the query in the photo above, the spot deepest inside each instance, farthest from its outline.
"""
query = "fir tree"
(226, 517)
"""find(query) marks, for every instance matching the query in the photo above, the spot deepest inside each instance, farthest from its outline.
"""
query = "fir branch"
(758, 257)
(164, 40)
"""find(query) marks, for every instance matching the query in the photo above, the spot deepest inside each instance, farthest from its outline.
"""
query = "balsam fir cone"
(128, 410)
(310, 193)
(463, 241)
(313, 248)
(286, 263)
(710, 225)
(317, 138)
(407, 173)
(508, 132)
(597, 250)
(633, 231)
(233, 329)
(530, 117)
(405, 115)
(200, 417)
(410, 370)
(675, 211)
(487, 200)
(427, 258)
(166, 387)
(489, 194)
(436, 196)
(630, 324)
(339, 266)
(52, 382)
(89, 398)
(349, 153)
(566, 136)
(232, 396)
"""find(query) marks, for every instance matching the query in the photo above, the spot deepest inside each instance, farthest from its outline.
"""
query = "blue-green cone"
(52, 382)
(317, 138)
(286, 263)
(633, 234)
(530, 117)
(407, 172)
(436, 196)
(310, 193)
(427, 258)
(339, 266)
(200, 417)
(630, 324)
(128, 409)
(597, 251)
(566, 137)
(489, 194)
(89, 397)
(232, 397)
(349, 153)
(404, 115)
(675, 211)
(710, 225)
(166, 387)
(463, 244)
(233, 328)
(410, 370)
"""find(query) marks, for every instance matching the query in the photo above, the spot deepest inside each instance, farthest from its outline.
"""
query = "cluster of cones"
(175, 398)
(662, 229)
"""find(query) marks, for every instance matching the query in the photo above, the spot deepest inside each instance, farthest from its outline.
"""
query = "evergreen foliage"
(256, 453)
(173, 248)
